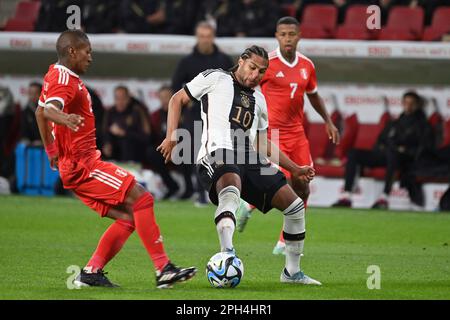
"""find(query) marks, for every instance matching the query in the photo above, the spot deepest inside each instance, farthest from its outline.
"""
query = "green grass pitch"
(41, 237)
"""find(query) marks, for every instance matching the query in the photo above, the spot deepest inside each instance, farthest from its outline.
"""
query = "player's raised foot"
(243, 213)
(94, 279)
(172, 274)
(280, 248)
(298, 277)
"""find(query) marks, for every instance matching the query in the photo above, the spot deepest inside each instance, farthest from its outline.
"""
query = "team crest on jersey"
(121, 173)
(245, 101)
(304, 73)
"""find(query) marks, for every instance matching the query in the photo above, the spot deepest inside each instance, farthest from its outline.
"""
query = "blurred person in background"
(100, 16)
(29, 131)
(253, 18)
(154, 159)
(126, 128)
(142, 16)
(205, 55)
(7, 136)
(397, 148)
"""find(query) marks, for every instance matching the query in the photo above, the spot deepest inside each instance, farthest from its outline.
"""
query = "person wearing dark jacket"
(397, 147)
(206, 55)
(29, 131)
(126, 128)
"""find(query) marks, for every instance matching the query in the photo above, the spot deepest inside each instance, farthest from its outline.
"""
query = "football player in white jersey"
(232, 161)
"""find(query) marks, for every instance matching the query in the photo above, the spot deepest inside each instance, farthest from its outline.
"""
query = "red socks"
(110, 244)
(148, 230)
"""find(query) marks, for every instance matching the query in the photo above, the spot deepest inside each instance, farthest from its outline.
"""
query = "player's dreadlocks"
(259, 51)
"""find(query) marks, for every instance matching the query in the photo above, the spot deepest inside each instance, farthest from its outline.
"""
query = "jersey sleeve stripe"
(189, 93)
(61, 100)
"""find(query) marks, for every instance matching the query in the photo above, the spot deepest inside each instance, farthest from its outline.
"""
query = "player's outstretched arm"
(270, 150)
(52, 112)
(178, 100)
(318, 104)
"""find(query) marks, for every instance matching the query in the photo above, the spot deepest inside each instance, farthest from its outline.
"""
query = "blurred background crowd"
(232, 18)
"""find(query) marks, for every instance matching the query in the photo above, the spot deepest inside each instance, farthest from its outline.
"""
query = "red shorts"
(100, 185)
(297, 149)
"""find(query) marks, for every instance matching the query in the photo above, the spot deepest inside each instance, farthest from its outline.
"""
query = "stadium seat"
(446, 140)
(440, 25)
(319, 21)
(288, 10)
(28, 10)
(14, 24)
(25, 17)
(354, 26)
(403, 23)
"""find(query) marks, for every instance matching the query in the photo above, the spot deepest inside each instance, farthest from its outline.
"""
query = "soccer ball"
(224, 270)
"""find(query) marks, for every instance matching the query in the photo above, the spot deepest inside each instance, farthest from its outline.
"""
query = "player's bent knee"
(145, 201)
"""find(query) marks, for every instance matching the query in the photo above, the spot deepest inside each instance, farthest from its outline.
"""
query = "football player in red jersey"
(290, 75)
(67, 127)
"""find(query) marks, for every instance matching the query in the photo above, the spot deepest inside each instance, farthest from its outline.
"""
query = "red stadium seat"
(27, 10)
(14, 24)
(289, 10)
(348, 138)
(404, 23)
(319, 21)
(446, 140)
(354, 26)
(368, 133)
(25, 17)
(440, 25)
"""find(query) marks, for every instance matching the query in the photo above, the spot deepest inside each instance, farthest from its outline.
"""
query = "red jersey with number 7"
(284, 85)
(64, 85)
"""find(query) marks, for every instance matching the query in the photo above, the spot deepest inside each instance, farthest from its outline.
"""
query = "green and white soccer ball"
(224, 270)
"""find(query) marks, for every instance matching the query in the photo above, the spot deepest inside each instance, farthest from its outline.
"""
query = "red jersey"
(284, 85)
(65, 86)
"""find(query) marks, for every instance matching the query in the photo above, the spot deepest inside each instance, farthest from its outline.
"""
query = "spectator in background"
(153, 158)
(142, 16)
(7, 139)
(205, 55)
(100, 16)
(126, 129)
(398, 146)
(29, 131)
(181, 16)
(53, 15)
(253, 18)
(218, 14)
(99, 113)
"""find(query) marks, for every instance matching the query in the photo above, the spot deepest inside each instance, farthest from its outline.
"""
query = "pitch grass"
(41, 237)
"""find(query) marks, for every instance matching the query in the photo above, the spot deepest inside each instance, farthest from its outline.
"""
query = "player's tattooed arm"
(318, 104)
(178, 100)
(270, 150)
(53, 112)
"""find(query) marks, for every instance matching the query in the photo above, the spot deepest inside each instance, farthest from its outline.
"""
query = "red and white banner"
(181, 45)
